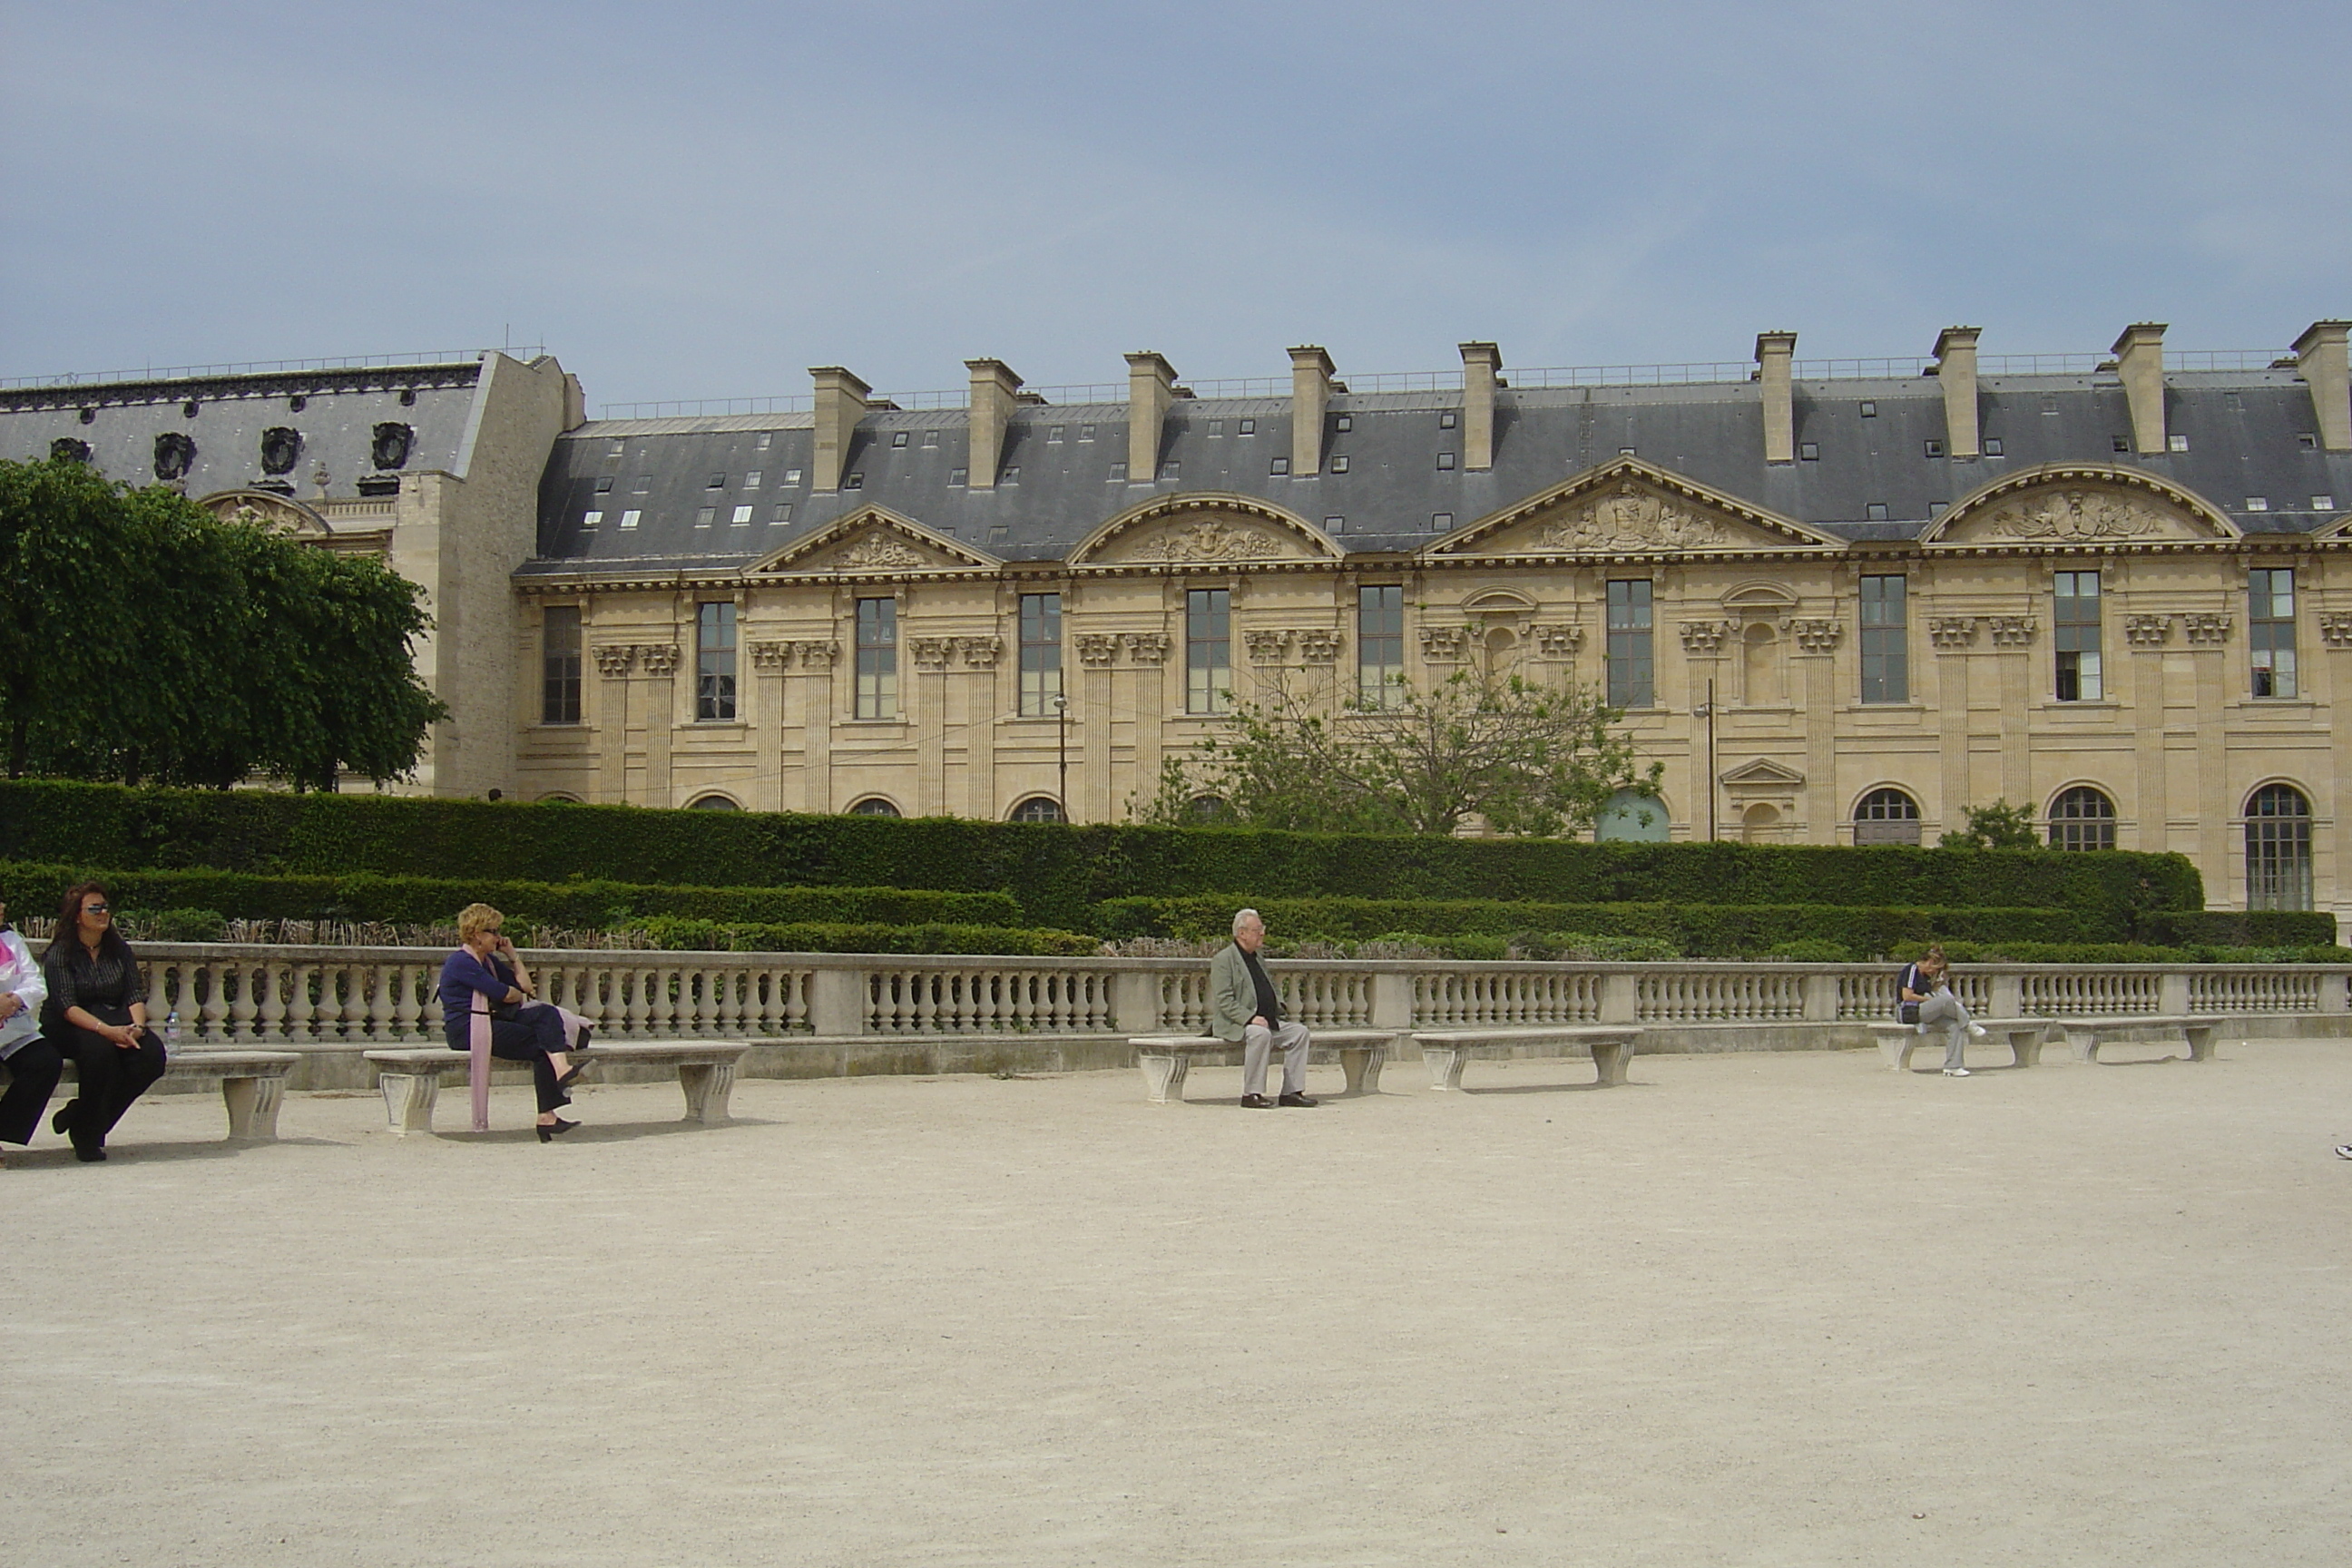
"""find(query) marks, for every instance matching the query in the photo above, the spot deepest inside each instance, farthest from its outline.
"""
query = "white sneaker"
(2343, 1150)
(1977, 1030)
(1956, 1072)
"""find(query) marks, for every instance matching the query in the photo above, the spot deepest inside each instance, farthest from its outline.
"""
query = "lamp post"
(1707, 710)
(1062, 741)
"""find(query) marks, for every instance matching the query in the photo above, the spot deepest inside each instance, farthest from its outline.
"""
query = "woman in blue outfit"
(521, 1030)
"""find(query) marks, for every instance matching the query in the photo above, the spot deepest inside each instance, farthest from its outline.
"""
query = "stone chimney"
(1310, 393)
(1956, 370)
(1151, 387)
(2320, 359)
(995, 390)
(575, 402)
(2140, 360)
(840, 405)
(1480, 362)
(1777, 354)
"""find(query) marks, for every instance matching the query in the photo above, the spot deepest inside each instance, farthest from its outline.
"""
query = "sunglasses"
(94, 908)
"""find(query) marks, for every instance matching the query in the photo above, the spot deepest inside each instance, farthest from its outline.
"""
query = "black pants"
(32, 1078)
(111, 1078)
(530, 1038)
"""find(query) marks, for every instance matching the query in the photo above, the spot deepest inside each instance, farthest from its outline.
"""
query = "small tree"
(1999, 826)
(1529, 757)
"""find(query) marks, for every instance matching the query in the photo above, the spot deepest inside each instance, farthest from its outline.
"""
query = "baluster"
(206, 1019)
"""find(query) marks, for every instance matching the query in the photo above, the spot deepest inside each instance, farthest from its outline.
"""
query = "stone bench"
(411, 1078)
(1447, 1051)
(1167, 1058)
(1897, 1041)
(2087, 1035)
(252, 1085)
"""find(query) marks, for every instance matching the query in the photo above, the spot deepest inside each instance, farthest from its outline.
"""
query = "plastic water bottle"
(172, 1030)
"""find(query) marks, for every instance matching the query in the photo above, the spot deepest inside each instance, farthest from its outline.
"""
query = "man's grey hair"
(1246, 915)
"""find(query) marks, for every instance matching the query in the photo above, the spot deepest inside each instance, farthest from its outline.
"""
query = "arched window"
(1631, 818)
(873, 805)
(1208, 810)
(559, 798)
(1038, 808)
(2278, 849)
(2082, 818)
(1887, 816)
(712, 802)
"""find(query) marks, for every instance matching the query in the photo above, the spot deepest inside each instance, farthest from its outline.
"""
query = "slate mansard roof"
(334, 413)
(2251, 434)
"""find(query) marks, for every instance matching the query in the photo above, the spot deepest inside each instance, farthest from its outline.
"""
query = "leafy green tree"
(1529, 757)
(1999, 826)
(153, 643)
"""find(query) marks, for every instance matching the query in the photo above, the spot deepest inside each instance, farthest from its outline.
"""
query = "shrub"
(2120, 952)
(1812, 949)
(810, 936)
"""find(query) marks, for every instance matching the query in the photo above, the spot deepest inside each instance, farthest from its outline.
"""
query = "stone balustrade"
(240, 996)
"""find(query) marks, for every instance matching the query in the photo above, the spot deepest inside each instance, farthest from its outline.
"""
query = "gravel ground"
(1768, 1309)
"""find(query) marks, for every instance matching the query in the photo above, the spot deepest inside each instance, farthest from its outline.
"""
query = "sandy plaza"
(1752, 1308)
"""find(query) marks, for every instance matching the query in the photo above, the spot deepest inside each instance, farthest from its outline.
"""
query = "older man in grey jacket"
(1248, 1009)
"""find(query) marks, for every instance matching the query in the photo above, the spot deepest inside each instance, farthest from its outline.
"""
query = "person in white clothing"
(33, 1064)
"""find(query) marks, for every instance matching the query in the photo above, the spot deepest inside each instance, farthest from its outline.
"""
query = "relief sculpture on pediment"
(878, 550)
(2077, 517)
(1209, 541)
(1630, 518)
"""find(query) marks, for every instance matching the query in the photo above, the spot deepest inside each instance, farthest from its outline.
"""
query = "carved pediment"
(261, 508)
(2058, 506)
(1204, 530)
(873, 539)
(1629, 507)
(1764, 774)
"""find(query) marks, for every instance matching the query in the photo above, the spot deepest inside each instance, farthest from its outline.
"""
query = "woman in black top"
(97, 1013)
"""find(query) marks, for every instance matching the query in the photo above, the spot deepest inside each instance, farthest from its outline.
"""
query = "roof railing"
(272, 367)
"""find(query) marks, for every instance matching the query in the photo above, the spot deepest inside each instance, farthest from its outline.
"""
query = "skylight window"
(762, 444)
(741, 518)
(1118, 474)
(1086, 432)
(715, 482)
(2323, 503)
(1335, 525)
(1869, 409)
(615, 448)
(705, 516)
(2306, 440)
(1447, 420)
(1216, 429)
(2049, 404)
(1935, 448)
(791, 475)
(645, 483)
(1445, 459)
(1012, 476)
(2258, 503)
(751, 481)
(605, 486)
(629, 519)
(898, 440)
(1340, 463)
(854, 483)
(1344, 422)
(1244, 427)
(783, 512)
(956, 476)
(1936, 508)
(1279, 466)
(1992, 447)
(1626, 452)
(1440, 521)
(1170, 468)
(2122, 443)
(592, 518)
(1810, 452)
(1052, 433)
(1875, 510)
(930, 438)
(997, 534)
(2175, 443)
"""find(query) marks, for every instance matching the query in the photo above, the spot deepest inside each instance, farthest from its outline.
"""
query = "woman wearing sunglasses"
(97, 1013)
(33, 1064)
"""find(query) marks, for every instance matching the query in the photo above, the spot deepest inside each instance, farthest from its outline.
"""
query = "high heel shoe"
(548, 1132)
(65, 1114)
(572, 1077)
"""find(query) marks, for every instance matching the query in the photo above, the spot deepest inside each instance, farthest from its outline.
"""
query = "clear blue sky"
(701, 200)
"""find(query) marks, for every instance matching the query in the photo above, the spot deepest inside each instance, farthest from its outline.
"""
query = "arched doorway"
(1760, 824)
(1631, 817)
(2278, 849)
(1887, 816)
(1038, 808)
(873, 805)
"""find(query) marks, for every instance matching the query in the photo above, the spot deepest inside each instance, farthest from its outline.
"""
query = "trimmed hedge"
(1057, 871)
(1699, 930)
(2124, 952)
(36, 889)
(711, 936)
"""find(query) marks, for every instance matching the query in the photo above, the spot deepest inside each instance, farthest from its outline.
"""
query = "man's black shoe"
(1299, 1100)
(1257, 1102)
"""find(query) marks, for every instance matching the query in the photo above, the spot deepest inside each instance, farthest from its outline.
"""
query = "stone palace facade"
(1839, 601)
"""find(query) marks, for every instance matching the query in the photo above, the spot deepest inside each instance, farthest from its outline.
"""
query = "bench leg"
(2025, 1047)
(2201, 1043)
(253, 1107)
(1897, 1051)
(1609, 1061)
(1163, 1075)
(708, 1086)
(1362, 1065)
(2085, 1043)
(1445, 1065)
(408, 1099)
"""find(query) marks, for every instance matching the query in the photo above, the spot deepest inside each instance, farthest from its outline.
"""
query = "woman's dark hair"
(68, 936)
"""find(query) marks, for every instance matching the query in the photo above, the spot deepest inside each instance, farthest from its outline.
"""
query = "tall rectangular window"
(1208, 650)
(1040, 654)
(559, 633)
(714, 660)
(2075, 629)
(2269, 625)
(1886, 647)
(877, 658)
(1379, 645)
(1632, 683)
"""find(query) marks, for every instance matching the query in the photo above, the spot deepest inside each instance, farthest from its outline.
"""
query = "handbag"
(1906, 1012)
